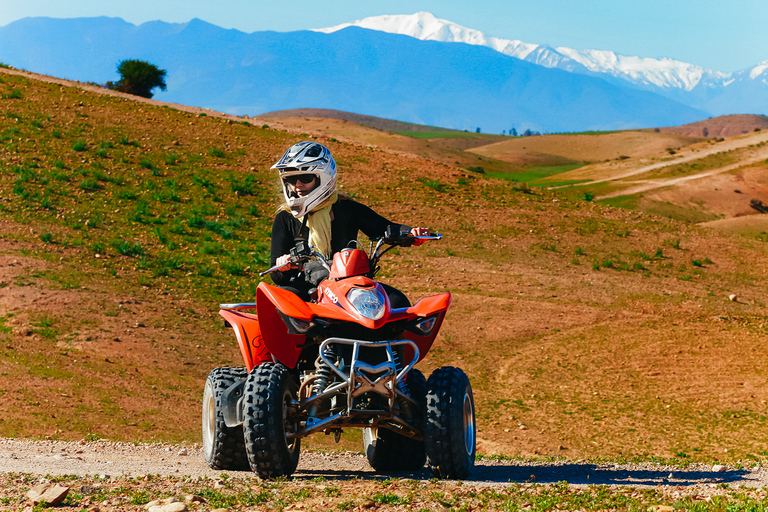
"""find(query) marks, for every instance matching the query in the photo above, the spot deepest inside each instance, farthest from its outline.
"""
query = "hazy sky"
(724, 35)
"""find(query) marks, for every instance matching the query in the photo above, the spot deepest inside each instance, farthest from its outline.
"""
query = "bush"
(138, 78)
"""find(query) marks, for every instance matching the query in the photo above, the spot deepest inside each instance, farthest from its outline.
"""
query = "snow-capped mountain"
(427, 27)
(669, 77)
(664, 73)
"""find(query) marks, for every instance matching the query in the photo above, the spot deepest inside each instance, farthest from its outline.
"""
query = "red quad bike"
(345, 359)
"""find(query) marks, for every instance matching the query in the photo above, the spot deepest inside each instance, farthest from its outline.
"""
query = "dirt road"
(646, 185)
(124, 459)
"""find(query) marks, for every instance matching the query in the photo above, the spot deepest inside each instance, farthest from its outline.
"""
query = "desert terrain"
(624, 330)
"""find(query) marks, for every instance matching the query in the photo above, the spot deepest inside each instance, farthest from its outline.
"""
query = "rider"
(315, 211)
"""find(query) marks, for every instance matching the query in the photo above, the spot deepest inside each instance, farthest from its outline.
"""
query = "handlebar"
(299, 255)
(406, 240)
(303, 252)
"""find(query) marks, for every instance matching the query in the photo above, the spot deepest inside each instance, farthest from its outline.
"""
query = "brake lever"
(410, 240)
(299, 255)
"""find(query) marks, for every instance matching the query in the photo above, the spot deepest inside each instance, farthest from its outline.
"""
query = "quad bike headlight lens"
(368, 302)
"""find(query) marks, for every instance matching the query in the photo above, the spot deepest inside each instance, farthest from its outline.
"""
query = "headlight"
(368, 302)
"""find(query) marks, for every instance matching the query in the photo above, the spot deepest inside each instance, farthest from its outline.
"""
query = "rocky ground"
(58, 458)
(102, 475)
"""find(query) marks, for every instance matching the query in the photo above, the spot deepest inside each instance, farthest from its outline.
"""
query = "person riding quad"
(315, 212)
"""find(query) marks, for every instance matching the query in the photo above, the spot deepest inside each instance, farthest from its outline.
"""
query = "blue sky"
(721, 35)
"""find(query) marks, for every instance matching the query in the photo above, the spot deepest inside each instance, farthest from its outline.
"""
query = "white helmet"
(302, 159)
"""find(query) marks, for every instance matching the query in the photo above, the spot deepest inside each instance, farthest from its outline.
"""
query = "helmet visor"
(304, 178)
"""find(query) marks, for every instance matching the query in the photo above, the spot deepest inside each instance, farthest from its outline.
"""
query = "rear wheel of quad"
(449, 430)
(389, 451)
(268, 419)
(224, 447)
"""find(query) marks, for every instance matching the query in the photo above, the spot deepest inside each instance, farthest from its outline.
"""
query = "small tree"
(138, 78)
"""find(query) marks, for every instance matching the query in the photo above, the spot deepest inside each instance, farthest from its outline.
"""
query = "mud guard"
(248, 333)
(270, 302)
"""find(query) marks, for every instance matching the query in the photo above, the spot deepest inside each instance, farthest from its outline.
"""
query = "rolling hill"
(588, 330)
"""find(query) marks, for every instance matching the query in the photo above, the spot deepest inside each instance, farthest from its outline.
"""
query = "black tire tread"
(229, 443)
(444, 425)
(395, 452)
(264, 432)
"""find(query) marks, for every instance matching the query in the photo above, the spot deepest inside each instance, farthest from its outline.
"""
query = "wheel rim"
(209, 423)
(469, 424)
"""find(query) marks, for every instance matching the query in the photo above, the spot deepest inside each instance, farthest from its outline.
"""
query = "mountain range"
(414, 68)
(745, 91)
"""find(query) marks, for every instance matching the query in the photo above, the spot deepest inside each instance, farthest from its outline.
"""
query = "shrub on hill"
(138, 77)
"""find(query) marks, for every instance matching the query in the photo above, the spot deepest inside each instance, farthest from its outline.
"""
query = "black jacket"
(349, 217)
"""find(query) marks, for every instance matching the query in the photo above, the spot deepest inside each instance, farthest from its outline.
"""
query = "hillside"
(710, 180)
(585, 148)
(722, 126)
(587, 330)
(377, 123)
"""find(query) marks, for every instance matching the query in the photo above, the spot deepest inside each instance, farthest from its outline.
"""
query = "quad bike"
(344, 359)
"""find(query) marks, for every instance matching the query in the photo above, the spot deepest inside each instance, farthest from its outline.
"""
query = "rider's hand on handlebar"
(419, 232)
(284, 263)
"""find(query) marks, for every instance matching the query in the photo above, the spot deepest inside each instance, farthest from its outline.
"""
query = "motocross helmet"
(307, 158)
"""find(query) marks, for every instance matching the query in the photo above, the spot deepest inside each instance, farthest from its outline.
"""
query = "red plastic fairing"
(246, 327)
(431, 304)
(426, 307)
(286, 347)
(349, 262)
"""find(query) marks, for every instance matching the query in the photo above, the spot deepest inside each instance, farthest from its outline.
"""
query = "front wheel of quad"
(269, 419)
(449, 430)
(223, 446)
(389, 451)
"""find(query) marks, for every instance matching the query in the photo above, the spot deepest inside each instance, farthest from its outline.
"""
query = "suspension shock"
(323, 374)
(402, 385)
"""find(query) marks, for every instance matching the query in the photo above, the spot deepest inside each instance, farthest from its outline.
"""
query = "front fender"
(249, 339)
(270, 302)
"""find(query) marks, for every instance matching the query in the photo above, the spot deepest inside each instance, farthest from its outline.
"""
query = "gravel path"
(125, 459)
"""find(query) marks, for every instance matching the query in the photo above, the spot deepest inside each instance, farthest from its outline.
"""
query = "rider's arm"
(374, 225)
(282, 243)
(368, 221)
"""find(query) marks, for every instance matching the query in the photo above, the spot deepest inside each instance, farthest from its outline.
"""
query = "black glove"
(315, 272)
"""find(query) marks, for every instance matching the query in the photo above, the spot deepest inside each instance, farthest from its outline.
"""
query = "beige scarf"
(319, 224)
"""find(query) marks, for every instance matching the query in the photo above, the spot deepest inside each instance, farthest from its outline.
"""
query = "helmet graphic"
(307, 158)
